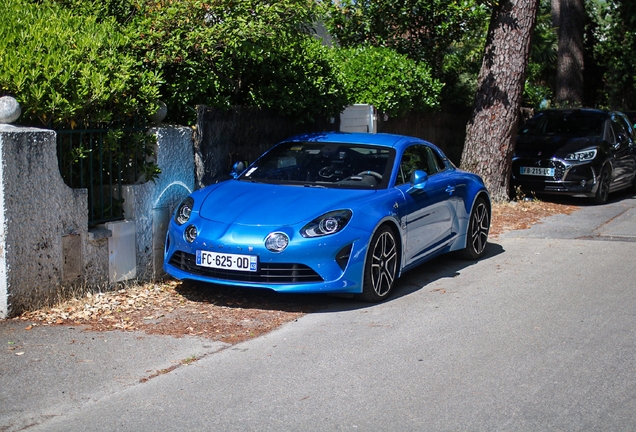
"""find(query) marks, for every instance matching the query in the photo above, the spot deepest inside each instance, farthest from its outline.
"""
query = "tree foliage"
(613, 29)
(421, 29)
(541, 75)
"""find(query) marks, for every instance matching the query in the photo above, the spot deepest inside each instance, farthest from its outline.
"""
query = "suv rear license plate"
(226, 261)
(535, 171)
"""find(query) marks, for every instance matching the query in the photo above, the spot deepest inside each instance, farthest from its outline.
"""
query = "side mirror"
(237, 169)
(418, 179)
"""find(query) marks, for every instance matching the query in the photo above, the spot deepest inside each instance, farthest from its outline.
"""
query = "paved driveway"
(540, 335)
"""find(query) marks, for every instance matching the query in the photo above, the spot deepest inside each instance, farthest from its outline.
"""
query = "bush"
(65, 69)
(391, 82)
(240, 53)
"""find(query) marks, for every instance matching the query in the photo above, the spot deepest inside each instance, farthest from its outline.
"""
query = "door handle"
(450, 189)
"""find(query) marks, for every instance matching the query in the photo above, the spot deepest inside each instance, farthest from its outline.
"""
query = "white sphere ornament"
(160, 114)
(9, 109)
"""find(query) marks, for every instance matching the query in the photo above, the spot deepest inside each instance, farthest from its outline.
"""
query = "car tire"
(602, 192)
(478, 229)
(381, 266)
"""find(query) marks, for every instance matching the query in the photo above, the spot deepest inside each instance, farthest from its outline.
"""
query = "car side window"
(617, 128)
(418, 157)
(622, 119)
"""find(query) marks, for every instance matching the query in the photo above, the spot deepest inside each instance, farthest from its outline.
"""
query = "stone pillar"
(151, 204)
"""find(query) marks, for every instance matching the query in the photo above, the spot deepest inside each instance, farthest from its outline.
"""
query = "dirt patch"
(223, 313)
(523, 214)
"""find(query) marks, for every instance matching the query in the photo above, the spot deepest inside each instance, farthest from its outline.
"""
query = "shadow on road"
(442, 267)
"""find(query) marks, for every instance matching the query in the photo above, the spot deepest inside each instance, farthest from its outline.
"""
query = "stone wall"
(44, 237)
(46, 247)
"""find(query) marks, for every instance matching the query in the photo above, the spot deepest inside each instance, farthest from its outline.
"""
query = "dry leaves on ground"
(176, 308)
(221, 313)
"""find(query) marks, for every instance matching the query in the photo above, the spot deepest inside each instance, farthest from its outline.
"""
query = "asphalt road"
(539, 335)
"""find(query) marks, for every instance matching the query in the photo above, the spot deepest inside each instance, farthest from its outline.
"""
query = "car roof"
(379, 139)
(584, 110)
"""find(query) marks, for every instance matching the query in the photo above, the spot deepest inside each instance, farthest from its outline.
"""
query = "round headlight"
(182, 215)
(190, 233)
(276, 242)
(328, 225)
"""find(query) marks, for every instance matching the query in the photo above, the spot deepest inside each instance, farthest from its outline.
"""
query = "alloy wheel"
(479, 228)
(383, 263)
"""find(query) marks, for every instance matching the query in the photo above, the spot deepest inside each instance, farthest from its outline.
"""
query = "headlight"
(276, 242)
(190, 234)
(182, 215)
(329, 223)
(582, 156)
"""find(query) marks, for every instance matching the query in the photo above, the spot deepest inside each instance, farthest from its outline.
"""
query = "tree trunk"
(569, 83)
(555, 5)
(492, 129)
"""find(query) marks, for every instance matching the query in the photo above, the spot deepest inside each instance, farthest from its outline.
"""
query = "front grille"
(559, 169)
(267, 272)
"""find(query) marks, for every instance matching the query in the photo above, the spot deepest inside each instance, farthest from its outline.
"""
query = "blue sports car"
(330, 213)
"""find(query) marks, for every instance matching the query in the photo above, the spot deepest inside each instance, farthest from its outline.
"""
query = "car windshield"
(576, 123)
(324, 165)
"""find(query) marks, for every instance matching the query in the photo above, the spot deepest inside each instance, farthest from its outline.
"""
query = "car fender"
(460, 242)
(393, 221)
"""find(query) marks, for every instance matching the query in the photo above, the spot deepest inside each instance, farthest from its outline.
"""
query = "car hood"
(245, 203)
(546, 146)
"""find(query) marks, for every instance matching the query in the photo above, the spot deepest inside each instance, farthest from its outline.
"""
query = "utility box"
(358, 118)
(122, 254)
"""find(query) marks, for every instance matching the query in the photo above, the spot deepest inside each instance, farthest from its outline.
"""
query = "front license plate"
(226, 261)
(535, 171)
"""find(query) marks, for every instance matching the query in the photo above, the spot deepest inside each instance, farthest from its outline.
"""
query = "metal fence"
(101, 160)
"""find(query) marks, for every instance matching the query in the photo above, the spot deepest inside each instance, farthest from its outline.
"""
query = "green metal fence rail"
(100, 160)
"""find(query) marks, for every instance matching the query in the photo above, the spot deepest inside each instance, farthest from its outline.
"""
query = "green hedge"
(238, 53)
(64, 68)
(391, 82)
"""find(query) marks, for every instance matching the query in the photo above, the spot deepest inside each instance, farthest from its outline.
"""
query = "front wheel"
(602, 191)
(478, 228)
(381, 266)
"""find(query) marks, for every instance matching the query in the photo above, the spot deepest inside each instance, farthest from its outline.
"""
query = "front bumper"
(574, 179)
(329, 264)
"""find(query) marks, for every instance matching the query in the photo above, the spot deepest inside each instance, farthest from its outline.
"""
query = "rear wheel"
(602, 192)
(381, 266)
(478, 228)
